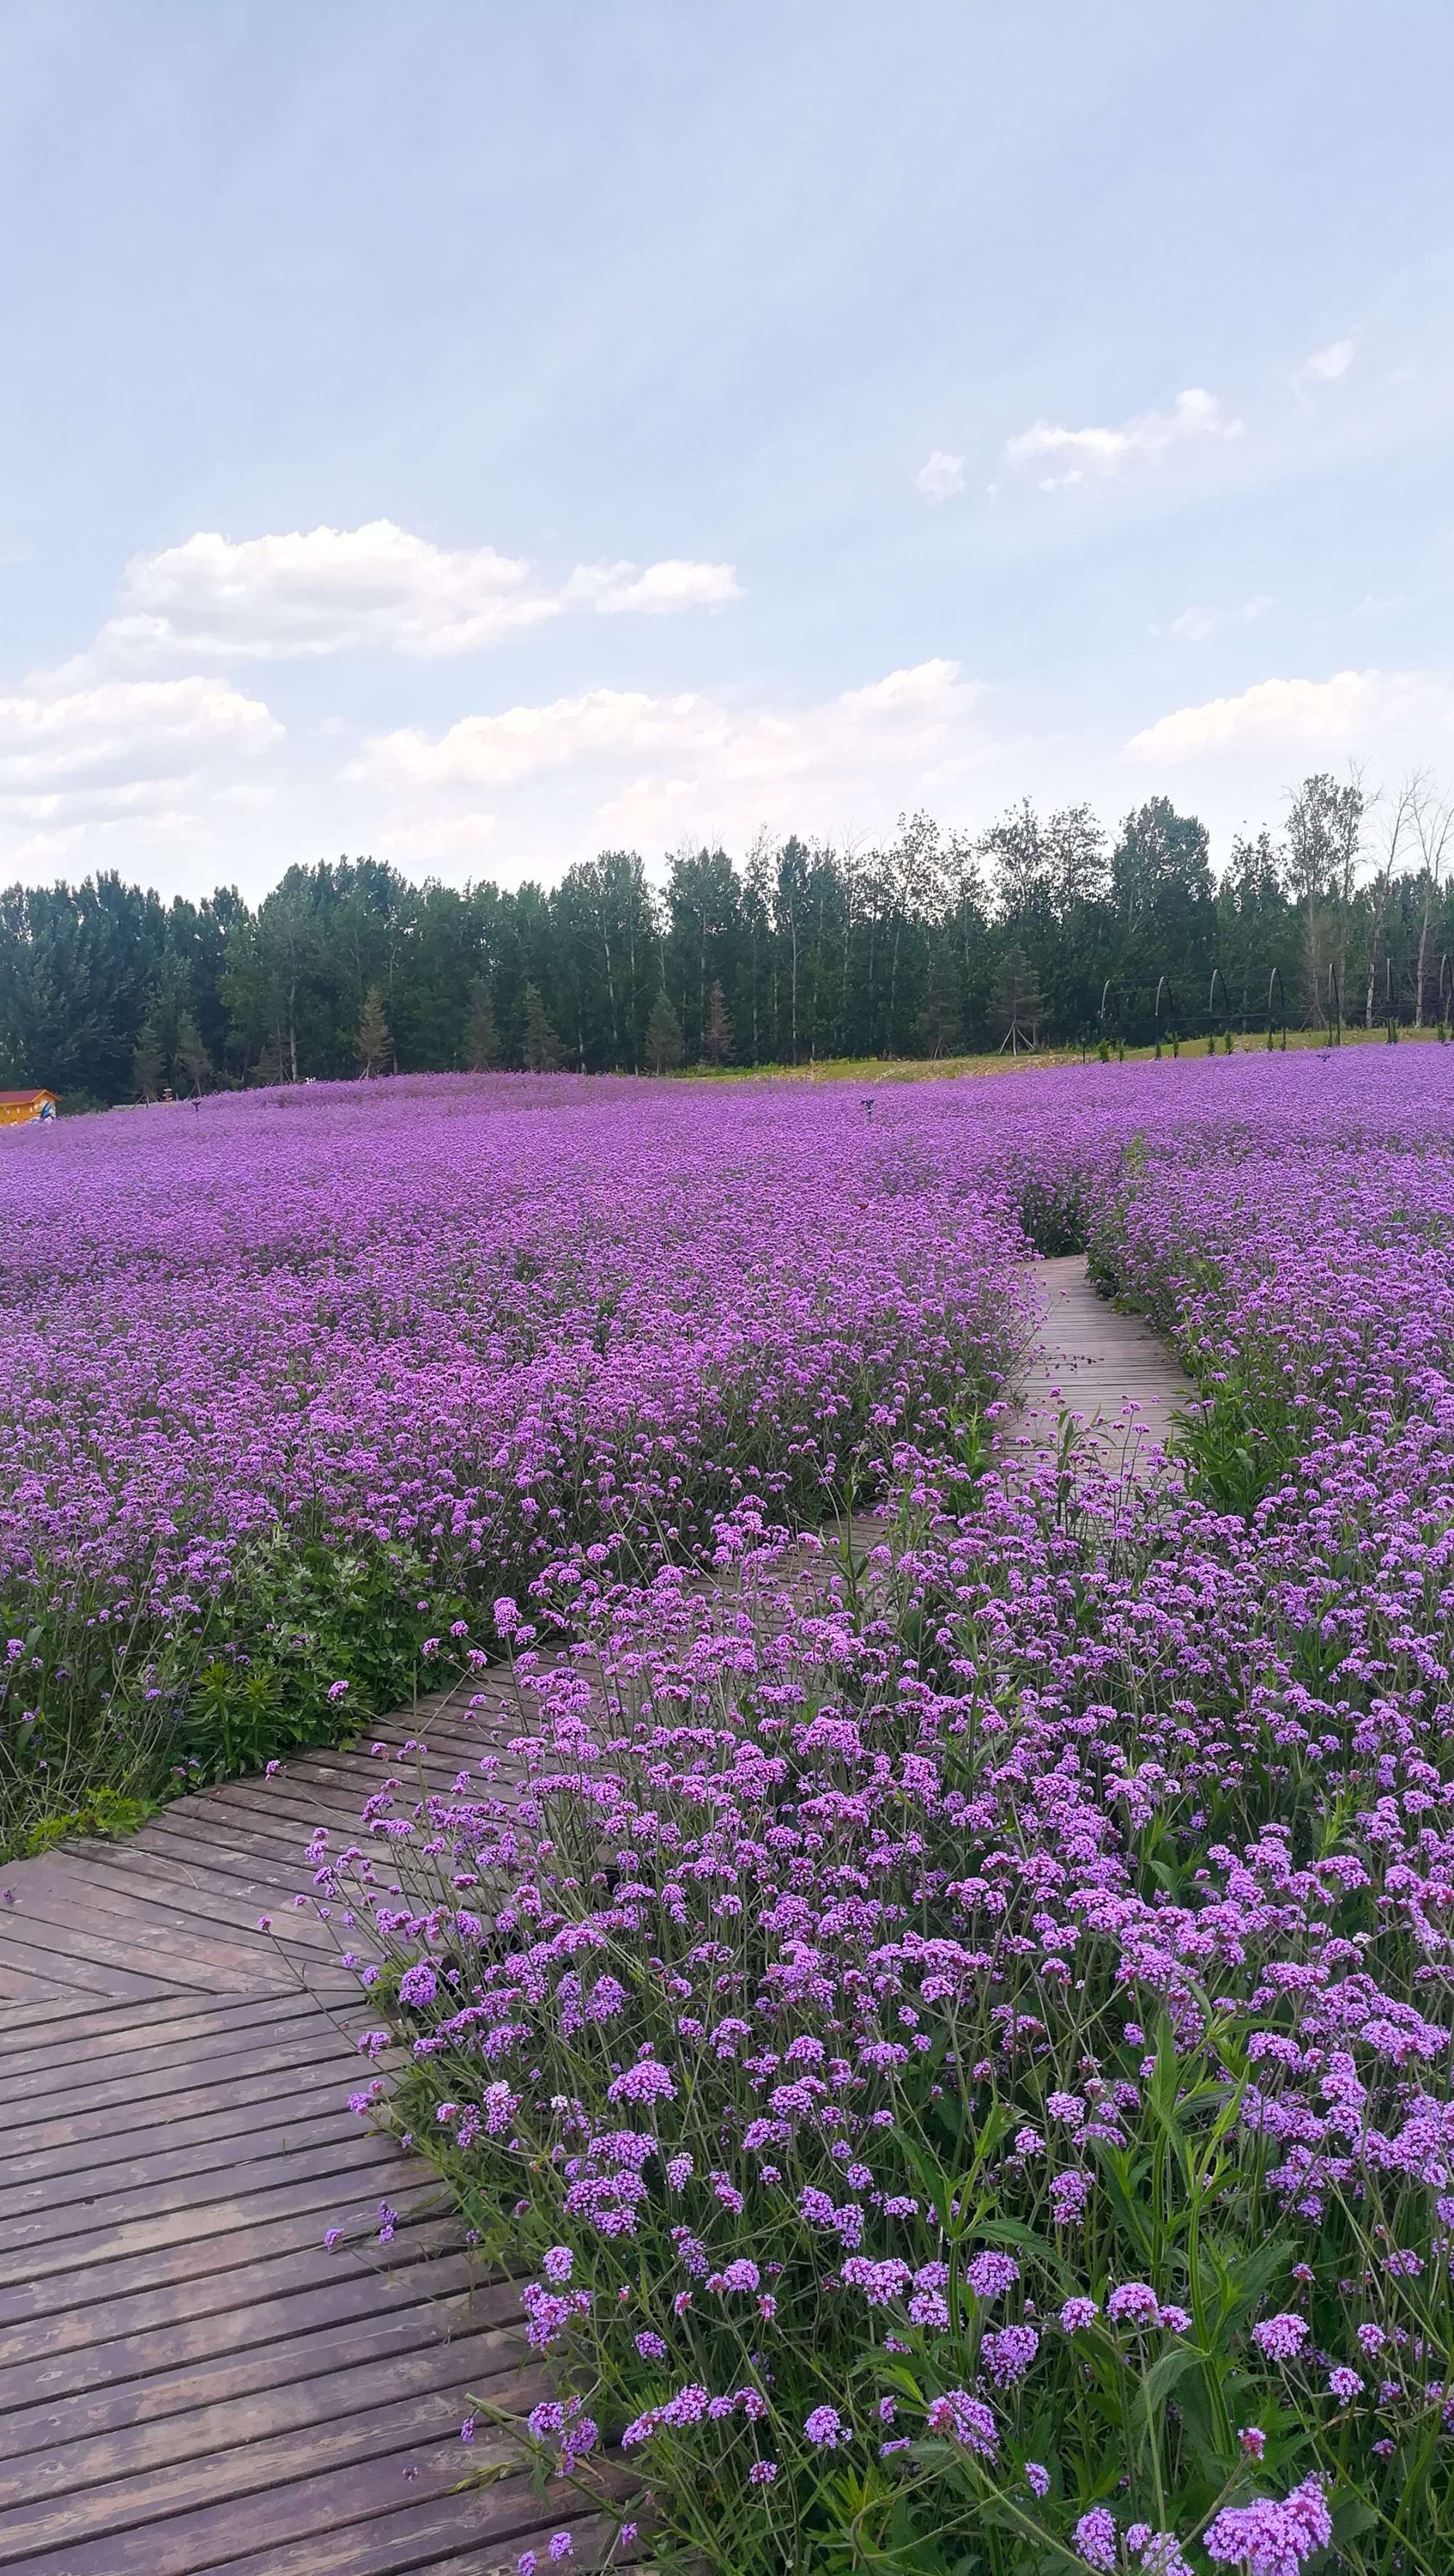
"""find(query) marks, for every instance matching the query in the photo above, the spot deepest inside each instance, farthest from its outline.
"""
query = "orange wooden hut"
(26, 1108)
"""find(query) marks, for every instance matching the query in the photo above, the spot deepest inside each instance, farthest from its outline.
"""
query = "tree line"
(1043, 929)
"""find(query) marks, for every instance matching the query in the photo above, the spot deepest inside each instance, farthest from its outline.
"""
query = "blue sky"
(483, 435)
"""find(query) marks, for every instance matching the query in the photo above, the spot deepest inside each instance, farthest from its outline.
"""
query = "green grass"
(950, 1067)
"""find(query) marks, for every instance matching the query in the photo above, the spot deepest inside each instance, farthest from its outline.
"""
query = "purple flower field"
(294, 1385)
(964, 2040)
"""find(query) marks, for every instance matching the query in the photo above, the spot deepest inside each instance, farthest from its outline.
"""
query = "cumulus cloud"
(121, 766)
(940, 476)
(1194, 625)
(632, 765)
(1348, 711)
(375, 588)
(124, 734)
(1145, 439)
(912, 709)
(1325, 366)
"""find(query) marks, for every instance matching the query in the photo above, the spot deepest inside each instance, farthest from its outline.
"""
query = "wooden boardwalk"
(1109, 1368)
(190, 2379)
(191, 2382)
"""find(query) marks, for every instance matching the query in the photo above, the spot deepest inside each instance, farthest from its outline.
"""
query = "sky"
(479, 436)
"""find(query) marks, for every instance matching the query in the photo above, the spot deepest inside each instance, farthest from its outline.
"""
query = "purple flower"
(644, 2082)
(825, 2428)
(558, 2264)
(1008, 2355)
(1345, 2384)
(1280, 2338)
(958, 2417)
(1269, 2539)
(1095, 2538)
(1037, 2478)
(1077, 2314)
(990, 2275)
(1134, 2304)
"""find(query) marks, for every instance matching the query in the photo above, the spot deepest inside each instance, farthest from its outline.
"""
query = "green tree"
(717, 1035)
(148, 1064)
(482, 1031)
(540, 1047)
(374, 1042)
(664, 1045)
(941, 1021)
(191, 1057)
(1017, 1005)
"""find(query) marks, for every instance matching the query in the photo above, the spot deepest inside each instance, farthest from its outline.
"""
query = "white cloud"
(124, 733)
(1326, 365)
(378, 587)
(1194, 625)
(940, 476)
(623, 588)
(1145, 439)
(909, 710)
(1351, 711)
(614, 766)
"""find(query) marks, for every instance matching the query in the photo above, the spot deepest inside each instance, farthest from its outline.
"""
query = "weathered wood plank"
(217, 2238)
(47, 1970)
(173, 2355)
(463, 2535)
(206, 2121)
(283, 2257)
(33, 2255)
(391, 2361)
(277, 2474)
(299, 2125)
(62, 1893)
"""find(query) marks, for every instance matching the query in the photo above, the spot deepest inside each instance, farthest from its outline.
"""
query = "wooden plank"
(166, 2079)
(178, 2347)
(415, 2462)
(83, 2017)
(145, 2159)
(282, 2256)
(345, 2147)
(476, 2534)
(164, 2501)
(32, 2004)
(269, 1854)
(261, 2021)
(191, 2124)
(132, 1917)
(63, 2449)
(59, 1929)
(48, 1969)
(174, 2248)
(195, 1892)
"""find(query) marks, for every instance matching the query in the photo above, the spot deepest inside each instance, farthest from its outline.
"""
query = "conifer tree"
(664, 1048)
(717, 1029)
(482, 1033)
(193, 1061)
(148, 1064)
(375, 1045)
(539, 1045)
